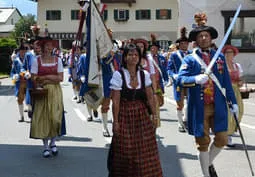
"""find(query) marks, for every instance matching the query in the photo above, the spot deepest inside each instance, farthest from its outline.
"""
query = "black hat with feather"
(201, 19)
(183, 37)
(154, 41)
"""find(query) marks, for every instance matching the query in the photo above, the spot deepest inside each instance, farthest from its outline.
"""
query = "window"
(143, 15)
(121, 15)
(12, 22)
(164, 44)
(163, 14)
(105, 15)
(53, 15)
(75, 14)
(243, 32)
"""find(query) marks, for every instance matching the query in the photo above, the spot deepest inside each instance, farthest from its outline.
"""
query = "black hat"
(183, 37)
(154, 41)
(201, 20)
(22, 47)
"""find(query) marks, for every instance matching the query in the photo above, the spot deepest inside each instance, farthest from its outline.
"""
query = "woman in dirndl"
(133, 151)
(48, 120)
(236, 73)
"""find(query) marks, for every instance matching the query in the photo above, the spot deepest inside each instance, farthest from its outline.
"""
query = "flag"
(99, 43)
(102, 7)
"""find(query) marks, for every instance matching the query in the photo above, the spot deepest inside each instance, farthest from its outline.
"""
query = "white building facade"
(139, 18)
(220, 13)
(8, 18)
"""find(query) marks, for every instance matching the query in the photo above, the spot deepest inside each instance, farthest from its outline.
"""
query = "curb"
(4, 77)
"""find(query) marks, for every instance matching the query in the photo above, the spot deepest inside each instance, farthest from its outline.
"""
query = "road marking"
(247, 126)
(79, 114)
(171, 101)
(83, 118)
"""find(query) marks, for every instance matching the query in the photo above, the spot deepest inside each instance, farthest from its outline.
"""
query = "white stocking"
(105, 119)
(204, 162)
(214, 151)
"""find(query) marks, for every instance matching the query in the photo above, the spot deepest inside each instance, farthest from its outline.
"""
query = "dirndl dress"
(134, 151)
(48, 119)
(234, 75)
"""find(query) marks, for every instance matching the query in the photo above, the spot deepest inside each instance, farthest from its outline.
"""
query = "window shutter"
(72, 14)
(115, 14)
(47, 15)
(137, 16)
(149, 14)
(169, 14)
(157, 14)
(127, 14)
(105, 14)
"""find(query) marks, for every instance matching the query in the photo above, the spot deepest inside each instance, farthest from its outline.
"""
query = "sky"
(25, 6)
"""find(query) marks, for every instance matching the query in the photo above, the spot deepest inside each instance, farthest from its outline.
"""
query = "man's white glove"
(85, 7)
(82, 78)
(234, 109)
(15, 77)
(175, 76)
(27, 75)
(201, 79)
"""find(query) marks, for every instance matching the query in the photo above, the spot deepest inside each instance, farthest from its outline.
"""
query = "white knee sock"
(180, 117)
(21, 110)
(204, 162)
(214, 151)
(185, 115)
(89, 109)
(105, 119)
(29, 107)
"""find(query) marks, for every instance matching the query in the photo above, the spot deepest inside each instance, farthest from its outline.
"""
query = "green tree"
(7, 45)
(22, 27)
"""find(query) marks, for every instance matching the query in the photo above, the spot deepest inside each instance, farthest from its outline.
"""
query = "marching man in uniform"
(19, 78)
(208, 95)
(173, 67)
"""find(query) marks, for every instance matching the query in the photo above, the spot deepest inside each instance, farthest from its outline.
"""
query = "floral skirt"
(48, 114)
(134, 151)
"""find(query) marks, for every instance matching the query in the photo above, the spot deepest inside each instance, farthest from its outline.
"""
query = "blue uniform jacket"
(107, 73)
(163, 68)
(83, 69)
(28, 59)
(74, 67)
(17, 68)
(173, 67)
(188, 70)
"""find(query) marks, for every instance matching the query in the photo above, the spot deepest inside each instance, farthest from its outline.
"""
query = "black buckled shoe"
(89, 119)
(181, 129)
(212, 171)
(21, 119)
(46, 153)
(95, 113)
(106, 133)
(54, 150)
(30, 114)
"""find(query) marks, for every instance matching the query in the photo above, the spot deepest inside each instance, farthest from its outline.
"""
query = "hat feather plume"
(183, 32)
(200, 18)
(153, 37)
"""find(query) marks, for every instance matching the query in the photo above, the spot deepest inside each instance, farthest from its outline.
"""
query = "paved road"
(83, 151)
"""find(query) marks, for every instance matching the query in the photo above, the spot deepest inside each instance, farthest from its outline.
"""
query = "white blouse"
(117, 81)
(34, 67)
